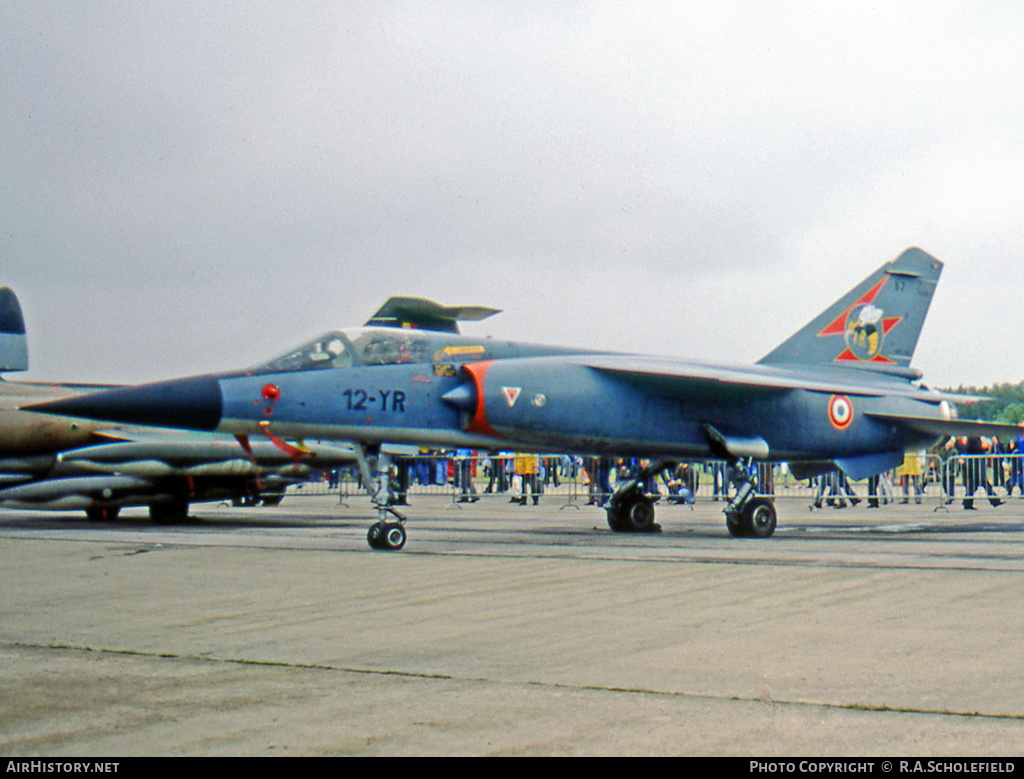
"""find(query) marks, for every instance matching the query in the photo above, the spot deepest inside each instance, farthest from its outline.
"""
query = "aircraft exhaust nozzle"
(194, 403)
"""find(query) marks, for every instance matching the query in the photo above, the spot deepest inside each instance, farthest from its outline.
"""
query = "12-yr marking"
(361, 400)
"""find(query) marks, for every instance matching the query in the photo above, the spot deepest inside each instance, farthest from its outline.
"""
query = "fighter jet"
(839, 392)
(51, 462)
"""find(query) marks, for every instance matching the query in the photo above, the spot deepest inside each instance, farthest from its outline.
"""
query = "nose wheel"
(386, 535)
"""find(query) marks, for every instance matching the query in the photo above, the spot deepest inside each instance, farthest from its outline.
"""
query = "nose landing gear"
(375, 469)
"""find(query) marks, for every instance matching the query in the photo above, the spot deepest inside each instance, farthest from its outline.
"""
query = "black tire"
(734, 523)
(618, 520)
(759, 518)
(375, 535)
(641, 516)
(386, 535)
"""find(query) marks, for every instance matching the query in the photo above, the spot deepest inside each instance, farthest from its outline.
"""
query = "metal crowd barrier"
(572, 481)
(994, 477)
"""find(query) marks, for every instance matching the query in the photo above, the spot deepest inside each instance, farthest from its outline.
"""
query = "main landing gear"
(747, 515)
(630, 509)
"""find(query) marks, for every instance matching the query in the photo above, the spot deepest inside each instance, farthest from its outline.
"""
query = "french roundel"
(840, 411)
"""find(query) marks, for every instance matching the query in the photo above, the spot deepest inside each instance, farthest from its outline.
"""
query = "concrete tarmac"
(508, 630)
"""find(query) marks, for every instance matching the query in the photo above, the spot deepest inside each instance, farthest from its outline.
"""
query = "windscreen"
(327, 351)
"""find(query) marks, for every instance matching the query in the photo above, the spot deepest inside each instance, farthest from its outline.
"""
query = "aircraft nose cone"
(195, 403)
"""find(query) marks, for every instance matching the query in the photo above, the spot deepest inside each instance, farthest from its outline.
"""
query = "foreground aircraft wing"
(722, 383)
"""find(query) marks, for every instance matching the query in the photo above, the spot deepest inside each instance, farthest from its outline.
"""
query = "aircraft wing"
(707, 380)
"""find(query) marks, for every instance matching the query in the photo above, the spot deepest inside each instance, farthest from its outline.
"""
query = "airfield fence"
(573, 481)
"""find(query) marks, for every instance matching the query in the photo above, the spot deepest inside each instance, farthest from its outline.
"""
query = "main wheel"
(632, 515)
(735, 524)
(759, 518)
(617, 521)
(641, 515)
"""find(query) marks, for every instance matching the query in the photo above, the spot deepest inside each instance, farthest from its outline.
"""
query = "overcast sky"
(187, 187)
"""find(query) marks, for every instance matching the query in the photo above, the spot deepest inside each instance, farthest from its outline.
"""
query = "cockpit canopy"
(359, 346)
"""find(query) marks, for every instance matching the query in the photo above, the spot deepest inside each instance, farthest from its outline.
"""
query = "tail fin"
(13, 344)
(875, 325)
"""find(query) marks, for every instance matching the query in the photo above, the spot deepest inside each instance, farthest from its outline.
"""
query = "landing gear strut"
(747, 515)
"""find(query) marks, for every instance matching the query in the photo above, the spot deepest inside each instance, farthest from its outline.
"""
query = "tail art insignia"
(864, 327)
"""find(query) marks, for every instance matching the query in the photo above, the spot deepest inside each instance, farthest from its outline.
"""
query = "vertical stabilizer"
(13, 344)
(875, 325)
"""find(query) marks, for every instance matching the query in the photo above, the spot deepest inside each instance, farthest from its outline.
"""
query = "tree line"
(1007, 404)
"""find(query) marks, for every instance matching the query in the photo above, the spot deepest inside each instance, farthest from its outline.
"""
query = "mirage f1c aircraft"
(839, 392)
